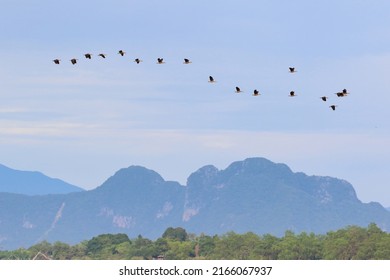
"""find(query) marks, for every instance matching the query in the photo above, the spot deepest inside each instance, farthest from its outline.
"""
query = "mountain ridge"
(32, 183)
(251, 195)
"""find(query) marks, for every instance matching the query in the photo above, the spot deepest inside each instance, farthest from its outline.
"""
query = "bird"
(102, 55)
(211, 79)
(88, 55)
(342, 93)
(238, 90)
(160, 60)
(256, 92)
(74, 61)
(324, 98)
(292, 93)
(333, 107)
(137, 60)
(187, 61)
(292, 69)
(56, 61)
(121, 52)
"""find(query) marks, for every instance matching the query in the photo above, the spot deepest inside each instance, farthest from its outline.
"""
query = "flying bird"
(137, 60)
(211, 79)
(292, 93)
(238, 90)
(333, 107)
(342, 93)
(102, 55)
(121, 52)
(292, 69)
(74, 61)
(160, 60)
(187, 61)
(324, 98)
(256, 92)
(56, 61)
(88, 55)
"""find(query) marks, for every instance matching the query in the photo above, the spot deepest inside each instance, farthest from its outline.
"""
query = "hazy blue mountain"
(252, 195)
(32, 183)
(261, 196)
(135, 200)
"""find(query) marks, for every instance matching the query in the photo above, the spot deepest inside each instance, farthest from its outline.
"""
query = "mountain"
(251, 195)
(134, 200)
(32, 183)
(261, 196)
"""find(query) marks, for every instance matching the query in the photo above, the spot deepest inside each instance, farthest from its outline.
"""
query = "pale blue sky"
(83, 122)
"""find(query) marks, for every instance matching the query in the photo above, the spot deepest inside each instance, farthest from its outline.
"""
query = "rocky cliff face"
(261, 196)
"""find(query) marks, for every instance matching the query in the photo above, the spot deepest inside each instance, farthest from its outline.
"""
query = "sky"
(81, 123)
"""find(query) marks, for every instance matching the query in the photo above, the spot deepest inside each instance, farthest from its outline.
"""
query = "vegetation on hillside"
(348, 243)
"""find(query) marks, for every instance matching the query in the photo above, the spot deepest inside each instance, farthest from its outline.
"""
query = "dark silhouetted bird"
(211, 79)
(333, 107)
(137, 60)
(56, 61)
(292, 69)
(292, 93)
(102, 55)
(74, 61)
(256, 92)
(187, 61)
(238, 90)
(88, 55)
(160, 60)
(342, 93)
(324, 98)
(122, 53)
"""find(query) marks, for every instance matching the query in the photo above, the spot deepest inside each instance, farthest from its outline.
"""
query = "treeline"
(176, 244)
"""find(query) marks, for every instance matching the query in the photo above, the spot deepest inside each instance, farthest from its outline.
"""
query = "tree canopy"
(350, 243)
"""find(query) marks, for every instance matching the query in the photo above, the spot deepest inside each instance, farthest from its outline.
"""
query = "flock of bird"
(120, 52)
(160, 60)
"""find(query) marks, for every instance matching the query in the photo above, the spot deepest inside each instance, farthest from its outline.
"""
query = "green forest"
(350, 243)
